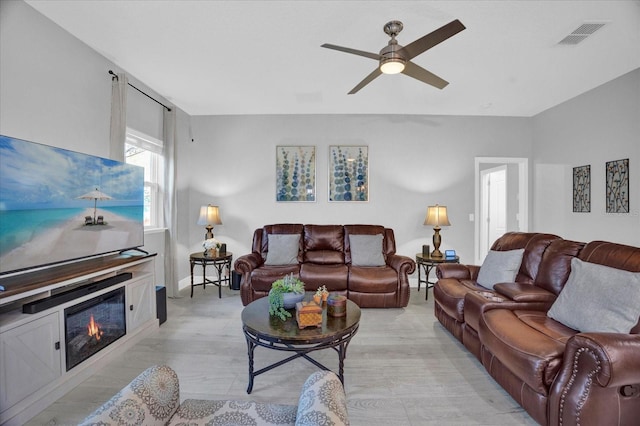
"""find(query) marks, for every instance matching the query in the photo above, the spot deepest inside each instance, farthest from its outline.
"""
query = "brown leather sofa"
(559, 375)
(324, 258)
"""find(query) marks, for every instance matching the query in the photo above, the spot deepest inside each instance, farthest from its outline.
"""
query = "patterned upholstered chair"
(153, 398)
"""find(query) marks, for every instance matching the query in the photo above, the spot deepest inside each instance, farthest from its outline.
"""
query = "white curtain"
(118, 117)
(169, 207)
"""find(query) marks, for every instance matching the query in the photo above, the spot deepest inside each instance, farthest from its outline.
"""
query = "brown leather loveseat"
(560, 375)
(358, 261)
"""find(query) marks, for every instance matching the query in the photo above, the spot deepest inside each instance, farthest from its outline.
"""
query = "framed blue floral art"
(348, 173)
(295, 173)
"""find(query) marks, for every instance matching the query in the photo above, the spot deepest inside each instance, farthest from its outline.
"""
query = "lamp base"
(436, 243)
(436, 254)
(209, 233)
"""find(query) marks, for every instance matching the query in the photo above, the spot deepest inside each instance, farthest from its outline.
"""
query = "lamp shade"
(437, 216)
(209, 215)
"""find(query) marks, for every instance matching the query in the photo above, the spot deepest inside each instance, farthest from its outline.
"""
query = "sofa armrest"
(248, 262)
(458, 271)
(519, 292)
(398, 263)
(599, 380)
(322, 401)
(150, 399)
(617, 354)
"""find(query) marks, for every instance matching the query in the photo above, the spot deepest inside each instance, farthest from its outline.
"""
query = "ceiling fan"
(395, 58)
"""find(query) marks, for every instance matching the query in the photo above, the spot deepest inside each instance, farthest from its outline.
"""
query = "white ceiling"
(264, 57)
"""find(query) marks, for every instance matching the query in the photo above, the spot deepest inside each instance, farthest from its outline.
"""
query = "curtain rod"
(114, 75)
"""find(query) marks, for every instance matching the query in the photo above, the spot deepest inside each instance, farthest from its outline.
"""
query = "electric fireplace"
(93, 325)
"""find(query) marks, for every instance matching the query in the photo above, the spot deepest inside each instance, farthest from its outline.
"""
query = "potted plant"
(321, 295)
(284, 294)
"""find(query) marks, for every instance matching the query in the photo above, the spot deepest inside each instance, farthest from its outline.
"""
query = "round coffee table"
(262, 329)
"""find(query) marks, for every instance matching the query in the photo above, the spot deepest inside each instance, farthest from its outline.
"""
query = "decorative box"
(308, 314)
(336, 305)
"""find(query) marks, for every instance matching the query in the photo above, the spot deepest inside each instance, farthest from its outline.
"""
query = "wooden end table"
(262, 329)
(426, 262)
(219, 262)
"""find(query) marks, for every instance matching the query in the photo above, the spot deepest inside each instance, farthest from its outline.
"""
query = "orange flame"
(94, 329)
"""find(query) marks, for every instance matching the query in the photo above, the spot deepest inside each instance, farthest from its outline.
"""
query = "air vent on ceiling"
(582, 32)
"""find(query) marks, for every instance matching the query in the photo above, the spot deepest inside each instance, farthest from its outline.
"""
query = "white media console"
(33, 367)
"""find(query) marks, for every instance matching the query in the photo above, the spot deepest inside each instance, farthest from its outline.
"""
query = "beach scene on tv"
(58, 205)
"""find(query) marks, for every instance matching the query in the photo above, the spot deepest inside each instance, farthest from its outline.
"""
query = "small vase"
(289, 300)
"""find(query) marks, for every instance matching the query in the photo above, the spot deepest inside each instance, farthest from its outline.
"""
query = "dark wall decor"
(582, 189)
(618, 186)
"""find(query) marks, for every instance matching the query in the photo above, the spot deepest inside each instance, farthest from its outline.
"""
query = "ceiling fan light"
(392, 66)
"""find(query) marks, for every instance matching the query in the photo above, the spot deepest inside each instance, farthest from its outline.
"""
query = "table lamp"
(209, 216)
(436, 217)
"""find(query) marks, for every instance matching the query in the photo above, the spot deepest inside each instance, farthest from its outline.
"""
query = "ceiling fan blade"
(374, 56)
(419, 73)
(368, 79)
(433, 38)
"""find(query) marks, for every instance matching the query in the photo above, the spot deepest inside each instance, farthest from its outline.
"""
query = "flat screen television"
(58, 205)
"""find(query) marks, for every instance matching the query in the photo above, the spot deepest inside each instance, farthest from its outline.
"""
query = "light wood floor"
(402, 367)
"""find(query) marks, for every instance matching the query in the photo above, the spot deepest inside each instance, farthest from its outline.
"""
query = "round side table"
(427, 263)
(219, 262)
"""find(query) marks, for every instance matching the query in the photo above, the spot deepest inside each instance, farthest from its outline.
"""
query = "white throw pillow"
(366, 250)
(598, 298)
(283, 249)
(499, 267)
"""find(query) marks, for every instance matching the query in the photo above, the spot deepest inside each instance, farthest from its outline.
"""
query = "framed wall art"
(348, 173)
(295, 173)
(618, 186)
(582, 189)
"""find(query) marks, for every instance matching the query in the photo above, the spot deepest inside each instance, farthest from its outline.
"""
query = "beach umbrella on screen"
(95, 196)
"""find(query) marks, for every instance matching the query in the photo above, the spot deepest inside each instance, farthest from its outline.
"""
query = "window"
(146, 151)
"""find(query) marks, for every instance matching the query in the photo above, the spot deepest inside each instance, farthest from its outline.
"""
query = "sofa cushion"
(388, 240)
(334, 277)
(500, 267)
(598, 298)
(528, 343)
(519, 292)
(534, 245)
(263, 277)
(283, 249)
(225, 412)
(367, 279)
(322, 401)
(261, 236)
(449, 294)
(555, 265)
(324, 244)
(366, 250)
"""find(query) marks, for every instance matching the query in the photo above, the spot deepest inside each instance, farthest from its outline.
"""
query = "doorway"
(501, 200)
(493, 206)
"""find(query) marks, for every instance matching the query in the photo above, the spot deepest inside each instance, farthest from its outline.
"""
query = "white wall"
(598, 126)
(56, 90)
(414, 161)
